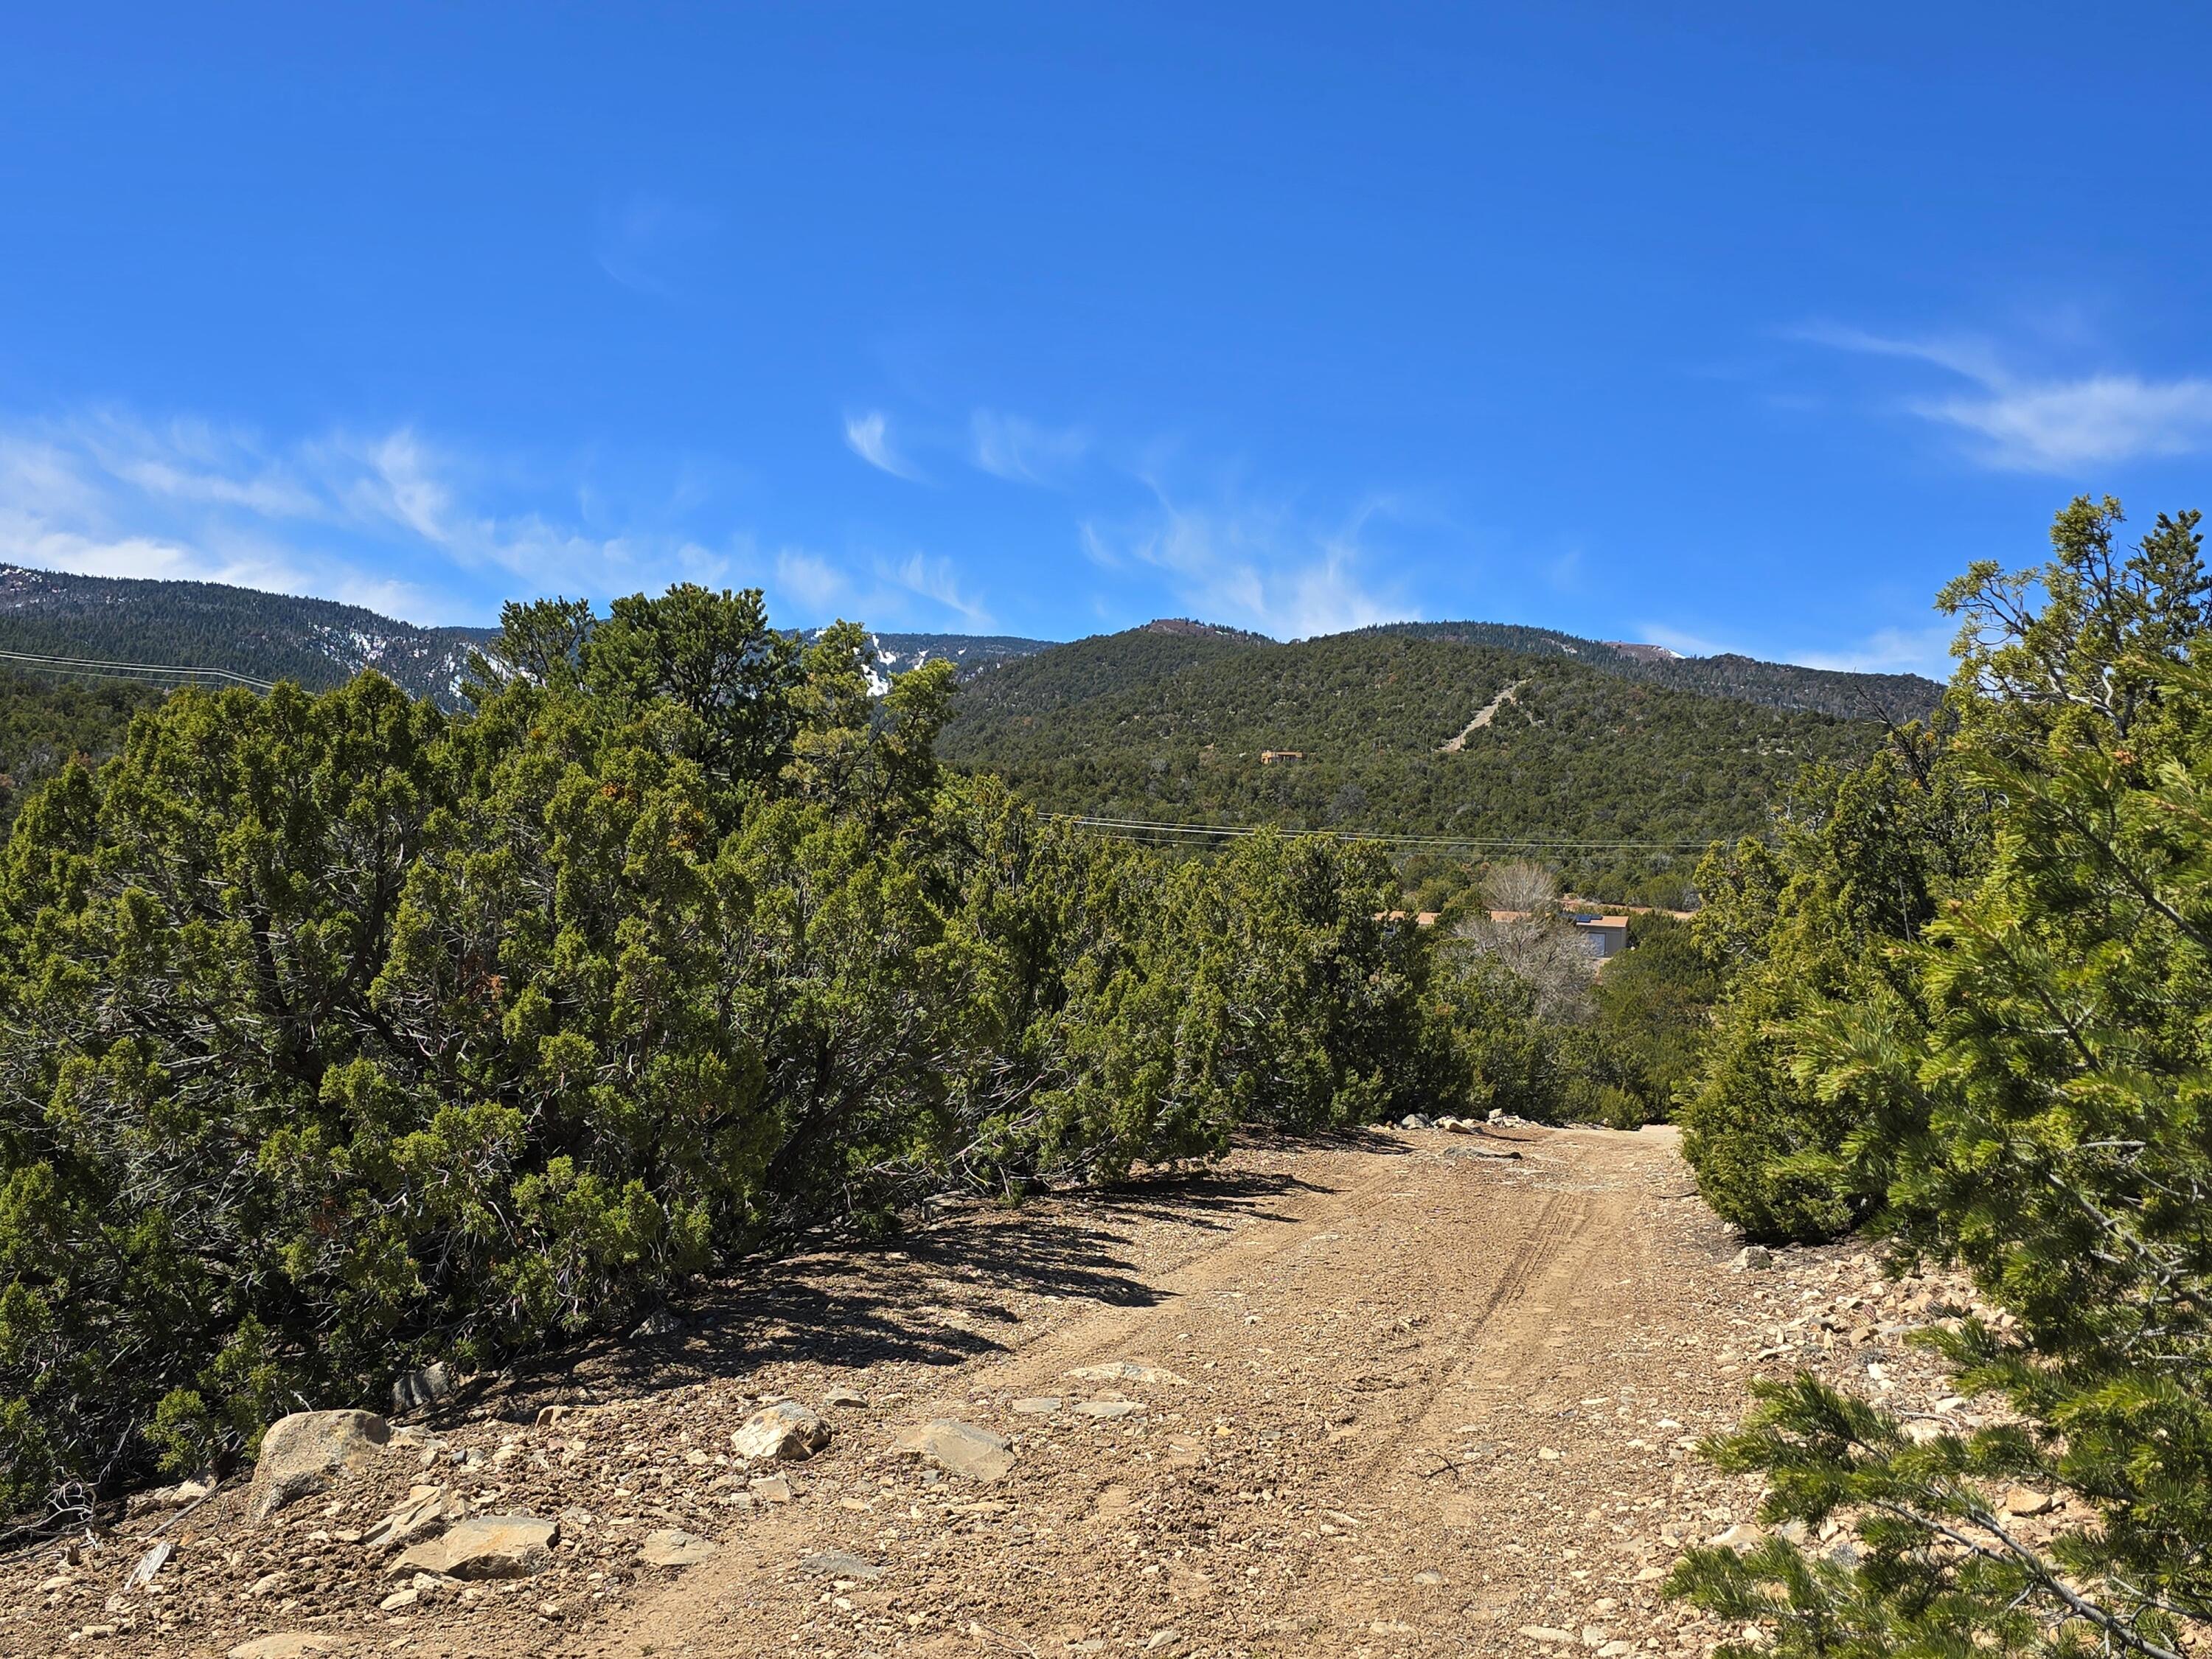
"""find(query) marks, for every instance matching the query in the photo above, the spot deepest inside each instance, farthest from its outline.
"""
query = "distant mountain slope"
(1898, 697)
(318, 642)
(1178, 727)
(271, 636)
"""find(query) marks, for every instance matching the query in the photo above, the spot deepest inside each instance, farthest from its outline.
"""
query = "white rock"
(786, 1430)
(1124, 1370)
(1751, 1258)
(300, 1450)
(288, 1644)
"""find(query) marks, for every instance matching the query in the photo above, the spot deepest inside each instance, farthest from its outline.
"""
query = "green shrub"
(343, 1035)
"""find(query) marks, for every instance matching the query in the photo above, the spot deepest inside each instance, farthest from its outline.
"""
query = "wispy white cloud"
(1893, 651)
(1886, 651)
(2022, 423)
(868, 436)
(392, 521)
(650, 244)
(1254, 565)
(1011, 446)
(936, 581)
(811, 582)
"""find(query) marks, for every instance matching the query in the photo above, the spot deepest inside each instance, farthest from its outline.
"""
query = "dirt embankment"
(1399, 1396)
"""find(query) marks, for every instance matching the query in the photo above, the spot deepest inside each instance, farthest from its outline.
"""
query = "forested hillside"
(43, 726)
(1173, 725)
(319, 643)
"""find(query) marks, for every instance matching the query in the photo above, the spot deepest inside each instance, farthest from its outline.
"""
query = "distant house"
(1269, 756)
(1604, 936)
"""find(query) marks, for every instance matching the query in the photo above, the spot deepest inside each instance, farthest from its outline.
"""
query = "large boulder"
(300, 1452)
(786, 1430)
(485, 1546)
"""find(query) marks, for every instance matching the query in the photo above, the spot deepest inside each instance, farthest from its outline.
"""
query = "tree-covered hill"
(1173, 728)
(43, 726)
(319, 643)
(1894, 697)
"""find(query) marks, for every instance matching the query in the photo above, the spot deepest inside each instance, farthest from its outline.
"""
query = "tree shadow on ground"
(941, 1295)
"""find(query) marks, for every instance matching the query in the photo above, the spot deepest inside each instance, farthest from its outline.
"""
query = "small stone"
(656, 1325)
(300, 1450)
(673, 1547)
(399, 1600)
(785, 1430)
(2023, 1500)
(1751, 1258)
(486, 1546)
(1431, 1576)
(844, 1399)
(265, 1584)
(957, 1448)
(839, 1564)
(1546, 1633)
(770, 1489)
(1043, 1405)
(1738, 1538)
(1415, 1121)
(1616, 1651)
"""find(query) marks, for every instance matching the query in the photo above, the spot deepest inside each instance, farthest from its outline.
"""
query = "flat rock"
(843, 1399)
(1108, 1410)
(288, 1644)
(786, 1430)
(298, 1451)
(656, 1325)
(1122, 1370)
(1751, 1258)
(671, 1546)
(1043, 1405)
(1546, 1633)
(486, 1546)
(839, 1564)
(425, 1514)
(957, 1448)
(2022, 1500)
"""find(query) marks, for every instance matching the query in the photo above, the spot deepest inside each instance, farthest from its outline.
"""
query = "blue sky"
(1726, 327)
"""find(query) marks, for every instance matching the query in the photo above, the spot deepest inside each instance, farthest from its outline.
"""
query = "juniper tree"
(2031, 1104)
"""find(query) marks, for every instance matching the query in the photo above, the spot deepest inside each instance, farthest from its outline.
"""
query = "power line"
(1159, 832)
(140, 672)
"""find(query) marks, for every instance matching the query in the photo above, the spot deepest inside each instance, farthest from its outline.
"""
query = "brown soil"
(1434, 1401)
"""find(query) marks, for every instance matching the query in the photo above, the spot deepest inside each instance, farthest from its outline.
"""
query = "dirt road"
(1431, 1397)
(1397, 1395)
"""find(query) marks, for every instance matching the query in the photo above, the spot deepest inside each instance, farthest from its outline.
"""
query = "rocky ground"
(1420, 1392)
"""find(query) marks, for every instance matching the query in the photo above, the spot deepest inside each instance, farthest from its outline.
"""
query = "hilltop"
(1473, 731)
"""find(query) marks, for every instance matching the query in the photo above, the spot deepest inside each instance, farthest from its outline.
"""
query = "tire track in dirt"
(1288, 1499)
